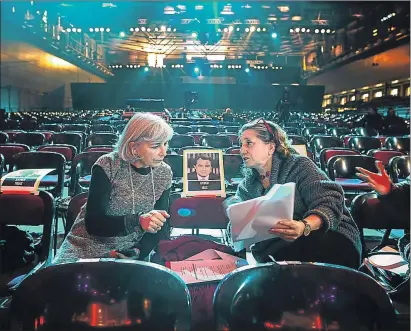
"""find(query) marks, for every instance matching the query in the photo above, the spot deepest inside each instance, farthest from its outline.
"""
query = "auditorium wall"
(34, 79)
(389, 65)
(210, 96)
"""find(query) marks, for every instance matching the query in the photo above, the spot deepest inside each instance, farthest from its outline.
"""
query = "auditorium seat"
(401, 144)
(81, 171)
(54, 181)
(8, 151)
(51, 127)
(31, 139)
(101, 128)
(383, 155)
(297, 140)
(232, 169)
(69, 151)
(399, 168)
(116, 295)
(85, 128)
(215, 141)
(338, 132)
(307, 296)
(73, 210)
(99, 148)
(69, 138)
(180, 140)
(101, 138)
(342, 169)
(364, 144)
(318, 143)
(210, 129)
(4, 138)
(232, 129)
(366, 132)
(308, 133)
(232, 136)
(12, 134)
(233, 150)
(181, 129)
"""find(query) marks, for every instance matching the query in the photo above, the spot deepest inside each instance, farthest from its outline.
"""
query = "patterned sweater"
(80, 244)
(315, 194)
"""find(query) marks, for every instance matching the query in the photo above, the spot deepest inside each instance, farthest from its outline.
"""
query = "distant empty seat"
(181, 140)
(30, 138)
(216, 141)
(364, 144)
(401, 144)
(101, 138)
(318, 143)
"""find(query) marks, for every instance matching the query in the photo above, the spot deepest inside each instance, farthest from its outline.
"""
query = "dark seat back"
(364, 144)
(101, 138)
(44, 160)
(126, 295)
(401, 144)
(30, 138)
(69, 138)
(301, 297)
(215, 141)
(344, 166)
(181, 140)
(399, 168)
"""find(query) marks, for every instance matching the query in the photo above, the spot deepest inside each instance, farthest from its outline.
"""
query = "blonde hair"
(277, 136)
(142, 127)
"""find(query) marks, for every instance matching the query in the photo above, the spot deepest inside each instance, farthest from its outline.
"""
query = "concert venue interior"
(333, 75)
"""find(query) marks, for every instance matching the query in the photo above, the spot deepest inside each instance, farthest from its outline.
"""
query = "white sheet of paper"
(202, 271)
(252, 219)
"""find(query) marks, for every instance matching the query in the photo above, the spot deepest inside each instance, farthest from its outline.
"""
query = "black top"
(97, 222)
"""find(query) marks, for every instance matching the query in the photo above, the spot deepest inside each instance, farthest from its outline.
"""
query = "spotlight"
(252, 29)
(78, 30)
(238, 29)
(143, 28)
(146, 69)
(247, 70)
(317, 31)
(247, 30)
(127, 66)
(91, 29)
(135, 66)
(291, 30)
(168, 29)
(131, 29)
(225, 29)
(221, 66)
(74, 30)
(196, 69)
(322, 30)
(174, 30)
(258, 29)
(308, 30)
(122, 34)
(163, 28)
(194, 34)
(137, 29)
(68, 30)
(274, 35)
(219, 30)
(264, 29)
(96, 29)
(230, 28)
(148, 29)
(328, 31)
(229, 66)
(297, 30)
(101, 29)
(172, 66)
(303, 30)
(155, 29)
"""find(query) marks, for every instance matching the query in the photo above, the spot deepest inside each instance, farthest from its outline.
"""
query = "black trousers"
(330, 247)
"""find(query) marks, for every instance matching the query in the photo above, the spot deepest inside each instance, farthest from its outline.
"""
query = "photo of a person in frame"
(202, 178)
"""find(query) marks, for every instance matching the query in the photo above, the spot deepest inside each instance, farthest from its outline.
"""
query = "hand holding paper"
(252, 220)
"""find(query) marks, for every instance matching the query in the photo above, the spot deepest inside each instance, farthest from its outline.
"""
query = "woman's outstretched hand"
(154, 220)
(288, 230)
(380, 181)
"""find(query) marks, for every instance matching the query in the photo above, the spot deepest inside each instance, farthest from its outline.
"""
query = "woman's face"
(151, 153)
(255, 152)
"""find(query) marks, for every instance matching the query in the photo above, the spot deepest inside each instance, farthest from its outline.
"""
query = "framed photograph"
(203, 172)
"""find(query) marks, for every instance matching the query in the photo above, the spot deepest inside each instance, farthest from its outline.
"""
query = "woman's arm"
(323, 197)
(97, 222)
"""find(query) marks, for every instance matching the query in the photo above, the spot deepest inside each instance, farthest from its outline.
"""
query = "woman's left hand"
(288, 230)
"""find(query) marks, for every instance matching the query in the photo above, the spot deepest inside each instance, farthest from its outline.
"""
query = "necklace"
(266, 175)
(132, 188)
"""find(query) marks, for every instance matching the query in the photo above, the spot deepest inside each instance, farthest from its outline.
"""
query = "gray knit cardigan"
(315, 194)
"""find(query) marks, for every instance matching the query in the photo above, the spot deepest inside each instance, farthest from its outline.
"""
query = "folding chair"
(8, 151)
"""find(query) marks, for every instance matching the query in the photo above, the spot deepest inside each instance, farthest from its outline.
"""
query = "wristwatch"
(307, 228)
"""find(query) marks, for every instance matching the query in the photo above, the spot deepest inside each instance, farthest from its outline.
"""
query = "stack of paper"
(206, 266)
(252, 219)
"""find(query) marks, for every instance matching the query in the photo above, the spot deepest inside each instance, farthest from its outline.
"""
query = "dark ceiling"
(198, 28)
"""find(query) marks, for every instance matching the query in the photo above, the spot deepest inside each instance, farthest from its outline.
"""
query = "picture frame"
(203, 172)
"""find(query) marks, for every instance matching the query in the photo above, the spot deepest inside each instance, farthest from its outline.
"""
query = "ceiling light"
(247, 30)
(328, 31)
(238, 29)
(283, 9)
(230, 28)
(143, 28)
(137, 29)
(274, 35)
(194, 34)
(317, 31)
(308, 30)
(296, 18)
(303, 30)
(297, 30)
(156, 29)
(291, 30)
(163, 28)
(131, 29)
(258, 29)
(252, 28)
(148, 29)
(322, 30)
(225, 29)
(91, 29)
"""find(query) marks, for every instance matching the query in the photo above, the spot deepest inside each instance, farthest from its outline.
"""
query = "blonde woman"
(126, 211)
(322, 229)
